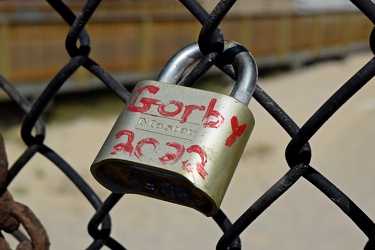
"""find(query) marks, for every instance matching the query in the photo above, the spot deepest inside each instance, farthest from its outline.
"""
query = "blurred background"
(133, 39)
(305, 50)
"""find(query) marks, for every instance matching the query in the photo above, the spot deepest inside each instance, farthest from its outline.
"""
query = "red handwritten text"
(211, 112)
(168, 158)
(199, 165)
(126, 147)
(147, 102)
(237, 131)
(173, 158)
(211, 119)
(141, 143)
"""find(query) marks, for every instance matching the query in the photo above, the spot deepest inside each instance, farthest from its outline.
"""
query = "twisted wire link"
(211, 43)
(33, 113)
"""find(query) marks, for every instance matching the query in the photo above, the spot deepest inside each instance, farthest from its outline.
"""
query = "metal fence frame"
(298, 151)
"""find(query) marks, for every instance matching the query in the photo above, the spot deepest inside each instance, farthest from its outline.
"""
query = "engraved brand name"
(173, 128)
(211, 118)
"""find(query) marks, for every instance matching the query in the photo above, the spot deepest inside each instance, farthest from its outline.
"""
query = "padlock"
(180, 144)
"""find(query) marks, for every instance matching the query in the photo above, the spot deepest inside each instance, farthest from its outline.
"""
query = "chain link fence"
(211, 42)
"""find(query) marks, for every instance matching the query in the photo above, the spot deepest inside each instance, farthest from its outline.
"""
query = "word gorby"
(210, 119)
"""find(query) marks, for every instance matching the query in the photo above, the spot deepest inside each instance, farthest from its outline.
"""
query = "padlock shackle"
(179, 63)
(241, 59)
(246, 71)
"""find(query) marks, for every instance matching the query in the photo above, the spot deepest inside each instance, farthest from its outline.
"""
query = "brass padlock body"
(175, 143)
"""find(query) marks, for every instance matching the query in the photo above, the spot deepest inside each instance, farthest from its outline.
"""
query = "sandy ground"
(303, 218)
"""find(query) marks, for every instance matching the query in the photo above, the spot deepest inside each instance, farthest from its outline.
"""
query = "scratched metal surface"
(298, 163)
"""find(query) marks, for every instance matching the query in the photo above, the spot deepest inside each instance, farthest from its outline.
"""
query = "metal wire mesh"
(298, 151)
